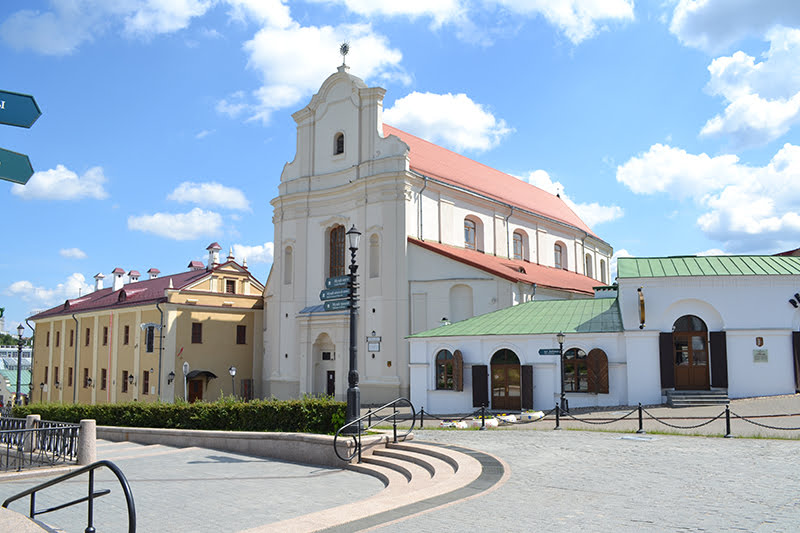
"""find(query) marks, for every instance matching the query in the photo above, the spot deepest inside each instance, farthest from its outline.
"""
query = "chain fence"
(557, 415)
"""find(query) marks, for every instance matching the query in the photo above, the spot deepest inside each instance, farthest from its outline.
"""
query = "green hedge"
(308, 415)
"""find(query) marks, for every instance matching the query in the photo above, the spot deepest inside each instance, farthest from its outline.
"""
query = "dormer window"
(338, 143)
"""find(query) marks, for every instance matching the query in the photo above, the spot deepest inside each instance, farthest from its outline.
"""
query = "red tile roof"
(455, 169)
(195, 264)
(214, 246)
(118, 270)
(148, 291)
(514, 270)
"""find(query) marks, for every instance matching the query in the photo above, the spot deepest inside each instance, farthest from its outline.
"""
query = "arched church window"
(559, 256)
(449, 370)
(589, 265)
(603, 278)
(336, 252)
(338, 143)
(469, 234)
(520, 242)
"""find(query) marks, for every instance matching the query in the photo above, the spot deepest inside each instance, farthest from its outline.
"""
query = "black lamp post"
(232, 372)
(20, 329)
(41, 391)
(560, 339)
(353, 394)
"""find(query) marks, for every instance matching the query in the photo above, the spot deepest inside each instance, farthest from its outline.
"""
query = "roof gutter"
(495, 200)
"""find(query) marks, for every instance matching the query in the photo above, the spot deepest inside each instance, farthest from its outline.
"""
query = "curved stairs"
(412, 472)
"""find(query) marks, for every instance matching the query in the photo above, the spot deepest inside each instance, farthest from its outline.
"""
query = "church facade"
(444, 238)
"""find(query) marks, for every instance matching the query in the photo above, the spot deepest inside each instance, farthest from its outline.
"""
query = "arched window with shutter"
(338, 143)
(336, 256)
(449, 370)
(597, 370)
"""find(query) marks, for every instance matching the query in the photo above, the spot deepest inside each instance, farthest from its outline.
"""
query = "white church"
(444, 238)
(470, 277)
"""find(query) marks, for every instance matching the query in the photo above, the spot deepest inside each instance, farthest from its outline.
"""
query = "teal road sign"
(334, 294)
(337, 281)
(15, 167)
(337, 305)
(18, 109)
(549, 351)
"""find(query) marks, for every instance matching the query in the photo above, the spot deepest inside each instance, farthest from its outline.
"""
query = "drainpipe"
(160, 346)
(508, 233)
(32, 346)
(75, 368)
(422, 190)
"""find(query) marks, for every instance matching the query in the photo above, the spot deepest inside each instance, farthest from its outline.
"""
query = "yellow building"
(133, 341)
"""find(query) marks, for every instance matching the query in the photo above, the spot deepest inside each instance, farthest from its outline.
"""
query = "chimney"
(154, 272)
(118, 273)
(196, 265)
(134, 275)
(98, 281)
(213, 255)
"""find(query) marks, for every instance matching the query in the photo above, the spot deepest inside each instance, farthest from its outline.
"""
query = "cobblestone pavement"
(596, 482)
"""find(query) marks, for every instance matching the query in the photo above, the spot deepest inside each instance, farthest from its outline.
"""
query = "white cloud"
(71, 23)
(293, 69)
(72, 253)
(453, 120)
(613, 263)
(440, 11)
(203, 134)
(210, 194)
(592, 213)
(42, 297)
(745, 207)
(179, 226)
(712, 251)
(763, 98)
(577, 19)
(266, 12)
(61, 183)
(254, 254)
(714, 25)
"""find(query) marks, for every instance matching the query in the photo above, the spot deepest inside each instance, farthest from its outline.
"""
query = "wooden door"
(506, 387)
(195, 390)
(331, 383)
(691, 360)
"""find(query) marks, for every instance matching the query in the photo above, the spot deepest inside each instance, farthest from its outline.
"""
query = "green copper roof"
(11, 378)
(599, 315)
(716, 265)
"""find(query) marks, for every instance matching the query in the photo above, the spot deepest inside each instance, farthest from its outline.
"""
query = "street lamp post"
(560, 338)
(20, 329)
(232, 372)
(41, 391)
(353, 393)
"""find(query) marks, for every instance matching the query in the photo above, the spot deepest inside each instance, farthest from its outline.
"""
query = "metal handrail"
(92, 494)
(356, 428)
(38, 446)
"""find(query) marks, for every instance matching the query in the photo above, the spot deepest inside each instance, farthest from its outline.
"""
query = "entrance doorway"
(195, 390)
(506, 381)
(690, 342)
(331, 388)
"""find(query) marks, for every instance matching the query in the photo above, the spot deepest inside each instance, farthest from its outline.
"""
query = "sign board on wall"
(760, 356)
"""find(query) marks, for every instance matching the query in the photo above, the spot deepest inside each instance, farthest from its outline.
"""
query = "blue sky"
(671, 127)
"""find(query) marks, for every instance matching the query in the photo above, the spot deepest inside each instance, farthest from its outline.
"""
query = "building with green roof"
(671, 325)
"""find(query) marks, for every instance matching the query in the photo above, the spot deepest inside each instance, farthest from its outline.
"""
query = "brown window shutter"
(597, 363)
(480, 386)
(458, 370)
(719, 359)
(666, 356)
(527, 386)
(796, 347)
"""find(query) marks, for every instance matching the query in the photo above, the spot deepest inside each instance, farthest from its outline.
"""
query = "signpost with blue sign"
(336, 305)
(334, 294)
(337, 281)
(549, 351)
(19, 110)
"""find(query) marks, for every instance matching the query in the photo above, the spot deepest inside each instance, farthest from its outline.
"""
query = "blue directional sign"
(337, 281)
(334, 294)
(18, 109)
(337, 305)
(549, 351)
(15, 167)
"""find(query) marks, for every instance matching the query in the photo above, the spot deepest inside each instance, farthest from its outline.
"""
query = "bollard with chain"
(558, 422)
(640, 430)
(728, 422)
(422, 417)
(483, 417)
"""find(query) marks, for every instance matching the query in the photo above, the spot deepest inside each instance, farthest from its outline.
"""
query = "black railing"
(355, 428)
(47, 444)
(89, 498)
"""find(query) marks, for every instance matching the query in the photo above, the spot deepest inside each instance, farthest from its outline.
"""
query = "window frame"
(448, 370)
(88, 336)
(518, 246)
(149, 339)
(105, 335)
(197, 333)
(241, 334)
(578, 360)
(230, 286)
(126, 335)
(145, 382)
(124, 383)
(338, 143)
(336, 251)
(103, 379)
(470, 234)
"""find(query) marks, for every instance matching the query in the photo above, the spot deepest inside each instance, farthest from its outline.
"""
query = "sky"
(671, 127)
